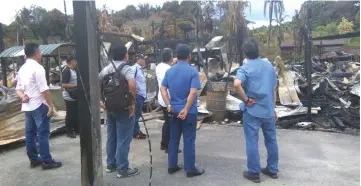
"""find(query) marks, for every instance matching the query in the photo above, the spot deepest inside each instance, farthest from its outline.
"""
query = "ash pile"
(335, 102)
(335, 94)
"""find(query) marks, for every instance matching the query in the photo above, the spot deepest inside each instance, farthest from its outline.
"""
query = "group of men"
(179, 83)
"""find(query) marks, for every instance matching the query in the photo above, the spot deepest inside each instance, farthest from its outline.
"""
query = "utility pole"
(308, 60)
(87, 54)
(66, 22)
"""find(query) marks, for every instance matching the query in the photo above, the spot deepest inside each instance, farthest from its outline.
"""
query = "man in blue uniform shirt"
(141, 94)
(182, 81)
(256, 84)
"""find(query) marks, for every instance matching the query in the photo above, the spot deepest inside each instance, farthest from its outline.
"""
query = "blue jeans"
(119, 135)
(37, 125)
(138, 112)
(251, 126)
(188, 128)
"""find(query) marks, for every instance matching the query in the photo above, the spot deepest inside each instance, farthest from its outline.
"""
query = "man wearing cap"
(141, 94)
(182, 81)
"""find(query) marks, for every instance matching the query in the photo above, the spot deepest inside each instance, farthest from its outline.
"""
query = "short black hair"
(250, 48)
(69, 59)
(118, 51)
(183, 51)
(30, 49)
(167, 55)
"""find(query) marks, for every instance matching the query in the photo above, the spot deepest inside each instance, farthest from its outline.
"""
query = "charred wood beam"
(3, 69)
(308, 60)
(87, 51)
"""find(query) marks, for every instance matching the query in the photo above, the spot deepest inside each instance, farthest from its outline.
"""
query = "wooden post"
(3, 68)
(47, 70)
(2, 61)
(239, 44)
(87, 51)
(308, 60)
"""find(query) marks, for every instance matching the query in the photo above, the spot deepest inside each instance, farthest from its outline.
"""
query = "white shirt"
(160, 71)
(31, 79)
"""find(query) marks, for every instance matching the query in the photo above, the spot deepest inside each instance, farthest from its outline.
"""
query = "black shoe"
(35, 163)
(71, 135)
(52, 164)
(174, 170)
(196, 173)
(252, 176)
(111, 168)
(127, 173)
(267, 172)
(140, 135)
(162, 148)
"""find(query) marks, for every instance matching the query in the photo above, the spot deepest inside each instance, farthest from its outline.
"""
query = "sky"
(8, 11)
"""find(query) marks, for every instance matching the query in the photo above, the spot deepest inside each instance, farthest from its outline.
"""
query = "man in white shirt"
(33, 90)
(161, 69)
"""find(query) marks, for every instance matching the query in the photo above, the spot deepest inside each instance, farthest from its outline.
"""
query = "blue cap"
(183, 51)
(140, 56)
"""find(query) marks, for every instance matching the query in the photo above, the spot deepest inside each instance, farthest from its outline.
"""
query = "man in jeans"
(34, 93)
(141, 83)
(69, 77)
(256, 84)
(120, 125)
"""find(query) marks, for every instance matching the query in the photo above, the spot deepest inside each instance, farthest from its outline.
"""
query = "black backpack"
(115, 91)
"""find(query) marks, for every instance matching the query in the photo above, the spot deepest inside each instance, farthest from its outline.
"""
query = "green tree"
(357, 20)
(332, 28)
(345, 26)
(275, 9)
(320, 29)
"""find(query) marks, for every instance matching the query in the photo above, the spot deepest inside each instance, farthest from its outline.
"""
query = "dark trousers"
(138, 113)
(166, 129)
(71, 119)
(188, 128)
(37, 125)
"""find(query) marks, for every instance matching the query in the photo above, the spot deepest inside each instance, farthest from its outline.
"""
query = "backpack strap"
(121, 66)
(66, 68)
(136, 71)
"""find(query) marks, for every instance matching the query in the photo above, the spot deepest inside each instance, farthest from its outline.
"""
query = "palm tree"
(236, 15)
(298, 21)
(280, 27)
(275, 8)
(23, 20)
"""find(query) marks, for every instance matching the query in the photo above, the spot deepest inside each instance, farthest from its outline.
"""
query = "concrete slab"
(306, 158)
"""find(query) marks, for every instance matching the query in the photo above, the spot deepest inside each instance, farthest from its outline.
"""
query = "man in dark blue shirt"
(256, 84)
(182, 81)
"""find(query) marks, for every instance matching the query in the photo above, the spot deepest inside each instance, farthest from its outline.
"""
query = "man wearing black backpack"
(118, 94)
